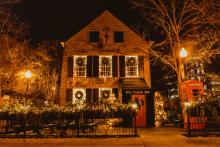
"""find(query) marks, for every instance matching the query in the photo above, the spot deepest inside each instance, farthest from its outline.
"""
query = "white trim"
(74, 99)
(109, 73)
(135, 68)
(76, 67)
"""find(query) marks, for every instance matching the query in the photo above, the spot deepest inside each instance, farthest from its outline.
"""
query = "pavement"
(149, 137)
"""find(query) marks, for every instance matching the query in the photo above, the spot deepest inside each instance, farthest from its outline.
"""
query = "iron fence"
(203, 125)
(68, 124)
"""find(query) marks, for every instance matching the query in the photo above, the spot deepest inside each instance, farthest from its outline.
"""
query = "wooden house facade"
(104, 59)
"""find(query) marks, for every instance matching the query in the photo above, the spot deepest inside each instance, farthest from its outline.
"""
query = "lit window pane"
(79, 95)
(131, 66)
(80, 66)
(105, 66)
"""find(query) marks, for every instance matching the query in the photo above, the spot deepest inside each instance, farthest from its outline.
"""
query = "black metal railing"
(68, 124)
(203, 125)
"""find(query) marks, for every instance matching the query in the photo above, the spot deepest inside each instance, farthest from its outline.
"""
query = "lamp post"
(28, 75)
(183, 54)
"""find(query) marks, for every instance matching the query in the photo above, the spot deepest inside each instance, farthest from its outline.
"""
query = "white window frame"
(131, 71)
(105, 71)
(80, 71)
(74, 99)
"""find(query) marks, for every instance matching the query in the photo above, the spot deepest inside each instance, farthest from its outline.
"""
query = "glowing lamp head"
(28, 74)
(53, 88)
(134, 106)
(183, 53)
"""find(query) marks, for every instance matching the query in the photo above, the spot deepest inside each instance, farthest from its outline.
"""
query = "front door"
(141, 114)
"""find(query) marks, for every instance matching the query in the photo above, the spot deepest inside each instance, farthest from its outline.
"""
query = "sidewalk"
(149, 137)
(174, 137)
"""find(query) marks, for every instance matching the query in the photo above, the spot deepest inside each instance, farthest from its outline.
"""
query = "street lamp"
(28, 75)
(183, 54)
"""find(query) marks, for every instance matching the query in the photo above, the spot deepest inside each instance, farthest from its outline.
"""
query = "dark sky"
(60, 19)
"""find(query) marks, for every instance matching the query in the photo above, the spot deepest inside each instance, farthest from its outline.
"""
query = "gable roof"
(106, 19)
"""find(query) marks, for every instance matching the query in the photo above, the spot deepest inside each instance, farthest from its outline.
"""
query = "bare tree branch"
(180, 22)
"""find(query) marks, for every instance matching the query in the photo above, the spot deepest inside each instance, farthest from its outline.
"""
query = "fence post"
(24, 121)
(7, 125)
(77, 124)
(188, 125)
(135, 125)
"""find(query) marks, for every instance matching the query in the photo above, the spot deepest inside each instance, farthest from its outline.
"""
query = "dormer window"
(94, 36)
(118, 37)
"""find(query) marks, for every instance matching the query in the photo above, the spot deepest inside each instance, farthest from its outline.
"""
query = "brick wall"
(79, 45)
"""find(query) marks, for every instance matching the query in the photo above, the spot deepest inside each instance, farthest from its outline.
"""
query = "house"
(105, 59)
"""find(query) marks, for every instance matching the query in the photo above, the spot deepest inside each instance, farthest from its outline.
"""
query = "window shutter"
(114, 66)
(95, 66)
(115, 91)
(89, 66)
(122, 66)
(88, 96)
(95, 95)
(69, 96)
(70, 66)
(141, 65)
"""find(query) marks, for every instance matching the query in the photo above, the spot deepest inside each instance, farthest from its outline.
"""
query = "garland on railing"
(95, 109)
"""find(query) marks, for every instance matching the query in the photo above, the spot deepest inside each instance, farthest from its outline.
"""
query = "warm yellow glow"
(53, 88)
(183, 53)
(62, 44)
(28, 74)
(134, 106)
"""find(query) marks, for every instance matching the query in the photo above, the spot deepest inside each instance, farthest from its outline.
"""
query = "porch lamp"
(183, 54)
(28, 75)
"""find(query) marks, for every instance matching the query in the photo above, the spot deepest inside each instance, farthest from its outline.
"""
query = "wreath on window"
(105, 61)
(80, 62)
(79, 95)
(131, 61)
(105, 94)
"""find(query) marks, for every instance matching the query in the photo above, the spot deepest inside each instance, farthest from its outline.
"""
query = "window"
(105, 66)
(79, 95)
(118, 37)
(131, 66)
(105, 93)
(196, 92)
(80, 66)
(93, 36)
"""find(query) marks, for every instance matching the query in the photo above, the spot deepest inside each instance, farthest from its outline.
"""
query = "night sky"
(60, 19)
